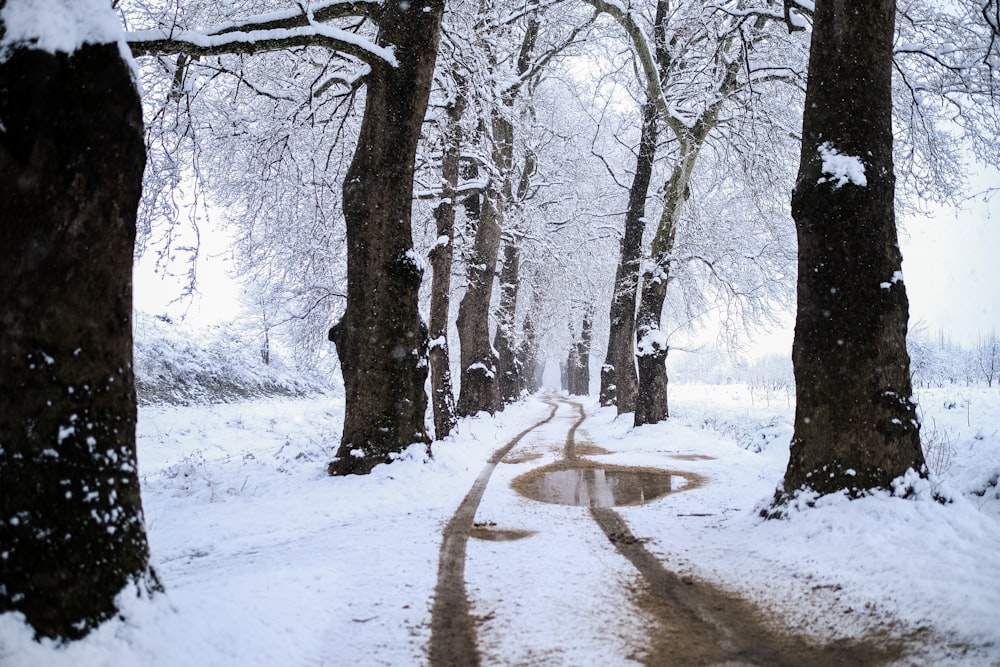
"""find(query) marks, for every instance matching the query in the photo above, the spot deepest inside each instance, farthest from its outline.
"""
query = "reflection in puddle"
(595, 487)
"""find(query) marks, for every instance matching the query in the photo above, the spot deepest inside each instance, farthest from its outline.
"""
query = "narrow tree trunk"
(856, 426)
(71, 163)
(578, 370)
(508, 371)
(381, 340)
(529, 378)
(651, 398)
(442, 395)
(618, 374)
(509, 367)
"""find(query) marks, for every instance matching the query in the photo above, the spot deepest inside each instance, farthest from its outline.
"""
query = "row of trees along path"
(71, 159)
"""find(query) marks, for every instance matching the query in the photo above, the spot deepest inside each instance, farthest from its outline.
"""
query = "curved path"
(695, 622)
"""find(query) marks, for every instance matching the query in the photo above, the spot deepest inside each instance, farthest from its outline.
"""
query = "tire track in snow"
(453, 632)
(694, 622)
(700, 624)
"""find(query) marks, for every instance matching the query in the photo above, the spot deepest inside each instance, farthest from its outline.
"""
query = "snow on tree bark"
(71, 164)
(618, 374)
(508, 367)
(856, 425)
(381, 339)
(578, 361)
(441, 256)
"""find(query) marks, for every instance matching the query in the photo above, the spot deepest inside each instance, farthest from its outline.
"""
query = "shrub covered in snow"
(181, 365)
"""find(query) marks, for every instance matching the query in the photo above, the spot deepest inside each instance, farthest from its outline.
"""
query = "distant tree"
(987, 358)
(71, 163)
(619, 382)
(856, 426)
(578, 361)
(707, 71)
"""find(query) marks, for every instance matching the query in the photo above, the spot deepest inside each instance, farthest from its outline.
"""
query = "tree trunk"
(651, 351)
(71, 163)
(381, 340)
(618, 374)
(529, 379)
(651, 347)
(578, 366)
(442, 394)
(480, 389)
(479, 392)
(508, 370)
(856, 426)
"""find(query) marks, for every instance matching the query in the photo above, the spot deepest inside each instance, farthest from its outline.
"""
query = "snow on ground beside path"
(266, 560)
(843, 566)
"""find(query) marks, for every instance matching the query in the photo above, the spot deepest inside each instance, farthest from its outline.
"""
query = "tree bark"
(71, 163)
(480, 389)
(651, 349)
(530, 377)
(442, 394)
(508, 367)
(381, 340)
(618, 374)
(578, 364)
(479, 392)
(856, 426)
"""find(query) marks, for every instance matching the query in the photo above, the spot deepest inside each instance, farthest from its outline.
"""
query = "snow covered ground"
(267, 561)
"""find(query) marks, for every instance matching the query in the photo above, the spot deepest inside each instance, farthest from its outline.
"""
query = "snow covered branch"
(270, 32)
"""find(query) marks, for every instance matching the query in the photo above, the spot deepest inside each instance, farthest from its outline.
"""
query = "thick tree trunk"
(508, 365)
(618, 374)
(442, 394)
(479, 391)
(651, 346)
(651, 351)
(71, 163)
(381, 340)
(856, 426)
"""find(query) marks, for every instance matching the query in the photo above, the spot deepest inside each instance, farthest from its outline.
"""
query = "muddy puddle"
(567, 483)
(493, 534)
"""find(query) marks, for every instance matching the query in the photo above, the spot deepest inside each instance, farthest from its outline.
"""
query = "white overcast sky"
(951, 265)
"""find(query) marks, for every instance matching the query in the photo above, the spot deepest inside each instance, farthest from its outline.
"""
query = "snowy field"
(267, 561)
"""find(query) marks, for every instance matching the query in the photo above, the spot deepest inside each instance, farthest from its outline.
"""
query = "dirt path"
(453, 630)
(695, 623)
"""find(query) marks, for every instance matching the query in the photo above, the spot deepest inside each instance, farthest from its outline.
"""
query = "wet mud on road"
(689, 621)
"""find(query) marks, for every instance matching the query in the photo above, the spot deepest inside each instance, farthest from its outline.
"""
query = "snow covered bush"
(181, 365)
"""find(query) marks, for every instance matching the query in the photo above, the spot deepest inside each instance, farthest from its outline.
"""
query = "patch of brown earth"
(699, 625)
(590, 449)
(692, 457)
(521, 458)
(492, 534)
